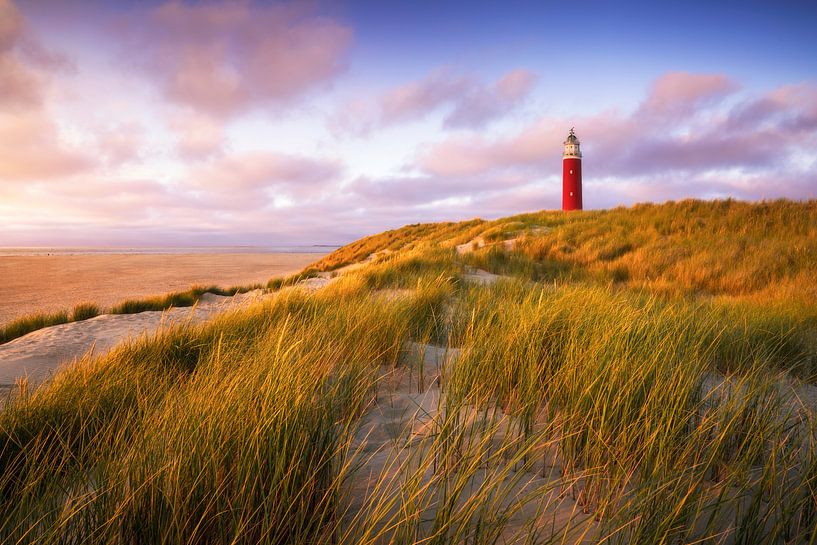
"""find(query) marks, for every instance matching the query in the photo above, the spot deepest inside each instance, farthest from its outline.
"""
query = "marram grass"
(572, 407)
(33, 322)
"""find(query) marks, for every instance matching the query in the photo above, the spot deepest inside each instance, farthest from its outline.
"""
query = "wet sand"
(51, 283)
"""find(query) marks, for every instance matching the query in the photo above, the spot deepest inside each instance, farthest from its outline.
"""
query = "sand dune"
(40, 353)
(398, 427)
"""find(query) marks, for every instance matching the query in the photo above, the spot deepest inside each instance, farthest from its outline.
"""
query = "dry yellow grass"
(663, 406)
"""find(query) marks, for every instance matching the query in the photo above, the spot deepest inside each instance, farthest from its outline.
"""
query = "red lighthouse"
(572, 174)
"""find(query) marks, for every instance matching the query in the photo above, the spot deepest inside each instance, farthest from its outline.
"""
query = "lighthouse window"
(571, 171)
(571, 193)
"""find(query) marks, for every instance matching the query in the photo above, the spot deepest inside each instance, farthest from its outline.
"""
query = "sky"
(174, 123)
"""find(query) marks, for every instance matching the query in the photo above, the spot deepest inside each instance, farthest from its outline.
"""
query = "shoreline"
(42, 283)
(48, 251)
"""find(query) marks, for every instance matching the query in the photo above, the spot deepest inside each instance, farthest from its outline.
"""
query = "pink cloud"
(759, 133)
(481, 104)
(717, 150)
(116, 200)
(693, 135)
(21, 60)
(411, 191)
(249, 170)
(11, 24)
(97, 203)
(21, 87)
(215, 61)
(255, 179)
(417, 98)
(460, 156)
(121, 142)
(32, 148)
(706, 151)
(472, 103)
(224, 58)
(680, 93)
(197, 136)
(470, 155)
(802, 99)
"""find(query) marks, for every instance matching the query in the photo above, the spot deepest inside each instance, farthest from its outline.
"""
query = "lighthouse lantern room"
(572, 174)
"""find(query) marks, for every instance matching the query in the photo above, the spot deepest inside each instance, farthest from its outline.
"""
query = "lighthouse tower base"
(572, 184)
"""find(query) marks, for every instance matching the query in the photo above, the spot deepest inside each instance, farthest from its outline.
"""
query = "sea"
(165, 250)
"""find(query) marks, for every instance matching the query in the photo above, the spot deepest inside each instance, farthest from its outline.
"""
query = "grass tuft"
(84, 311)
(32, 322)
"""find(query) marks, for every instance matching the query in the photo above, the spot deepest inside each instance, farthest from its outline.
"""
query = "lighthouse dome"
(572, 146)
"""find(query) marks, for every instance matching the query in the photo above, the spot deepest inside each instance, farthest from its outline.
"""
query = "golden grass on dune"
(403, 403)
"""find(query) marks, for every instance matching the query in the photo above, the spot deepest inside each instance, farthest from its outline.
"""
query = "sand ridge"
(38, 355)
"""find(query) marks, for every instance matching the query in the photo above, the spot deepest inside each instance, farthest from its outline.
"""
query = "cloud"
(197, 136)
(32, 150)
(21, 87)
(472, 103)
(216, 61)
(234, 195)
(116, 199)
(369, 208)
(409, 190)
(726, 144)
(482, 104)
(221, 59)
(470, 155)
(22, 59)
(96, 201)
(32, 147)
(417, 98)
(254, 180)
(405, 195)
(121, 143)
(801, 101)
(81, 169)
(11, 24)
(759, 133)
(677, 94)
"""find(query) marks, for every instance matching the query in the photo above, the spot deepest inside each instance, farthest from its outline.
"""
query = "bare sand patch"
(483, 277)
(41, 353)
(394, 443)
(52, 283)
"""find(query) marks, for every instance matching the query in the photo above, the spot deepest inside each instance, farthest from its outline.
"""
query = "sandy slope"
(57, 282)
(399, 424)
(38, 354)
(396, 430)
(402, 423)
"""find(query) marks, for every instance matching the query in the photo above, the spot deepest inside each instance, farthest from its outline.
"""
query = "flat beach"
(56, 282)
